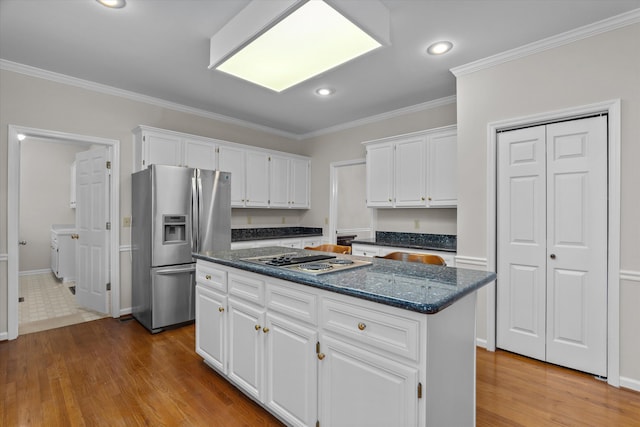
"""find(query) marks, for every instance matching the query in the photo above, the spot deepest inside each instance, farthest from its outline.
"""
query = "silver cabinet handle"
(22, 242)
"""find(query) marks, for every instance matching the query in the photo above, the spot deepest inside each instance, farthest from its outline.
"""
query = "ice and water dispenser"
(174, 229)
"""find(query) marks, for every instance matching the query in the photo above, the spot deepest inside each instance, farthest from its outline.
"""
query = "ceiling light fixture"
(439, 48)
(21, 136)
(113, 4)
(325, 91)
(280, 43)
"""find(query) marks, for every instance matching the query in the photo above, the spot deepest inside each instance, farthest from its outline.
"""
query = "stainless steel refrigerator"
(176, 211)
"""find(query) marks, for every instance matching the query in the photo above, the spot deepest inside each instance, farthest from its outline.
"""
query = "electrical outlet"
(283, 220)
(126, 221)
(416, 224)
(248, 219)
(326, 221)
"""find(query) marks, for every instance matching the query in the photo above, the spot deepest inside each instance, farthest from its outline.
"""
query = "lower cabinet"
(361, 388)
(211, 327)
(313, 357)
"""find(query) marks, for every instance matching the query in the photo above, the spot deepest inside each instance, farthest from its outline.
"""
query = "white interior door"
(552, 243)
(92, 216)
(349, 212)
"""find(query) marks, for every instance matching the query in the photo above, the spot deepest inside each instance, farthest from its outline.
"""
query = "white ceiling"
(160, 48)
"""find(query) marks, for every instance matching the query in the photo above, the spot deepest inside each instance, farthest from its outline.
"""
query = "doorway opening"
(17, 135)
(612, 109)
(349, 217)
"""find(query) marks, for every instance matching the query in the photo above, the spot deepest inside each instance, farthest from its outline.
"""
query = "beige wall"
(596, 69)
(347, 145)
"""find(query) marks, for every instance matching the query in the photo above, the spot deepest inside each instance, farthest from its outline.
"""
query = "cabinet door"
(161, 150)
(380, 175)
(360, 388)
(279, 181)
(442, 170)
(299, 183)
(257, 179)
(246, 347)
(409, 183)
(291, 371)
(211, 327)
(232, 160)
(199, 154)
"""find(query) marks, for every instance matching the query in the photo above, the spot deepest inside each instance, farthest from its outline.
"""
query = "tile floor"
(48, 303)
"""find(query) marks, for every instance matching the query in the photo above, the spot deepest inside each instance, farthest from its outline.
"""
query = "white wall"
(596, 69)
(45, 178)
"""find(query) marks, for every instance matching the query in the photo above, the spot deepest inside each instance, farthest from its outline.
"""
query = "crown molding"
(613, 23)
(379, 117)
(110, 90)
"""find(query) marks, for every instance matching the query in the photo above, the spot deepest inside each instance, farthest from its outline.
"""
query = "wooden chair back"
(339, 249)
(412, 257)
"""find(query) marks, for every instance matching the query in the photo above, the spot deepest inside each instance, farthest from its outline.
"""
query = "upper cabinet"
(259, 178)
(414, 170)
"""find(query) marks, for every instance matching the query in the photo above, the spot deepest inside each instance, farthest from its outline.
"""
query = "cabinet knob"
(429, 198)
(362, 326)
(321, 356)
(265, 329)
(75, 236)
(422, 198)
(389, 199)
(258, 327)
(221, 309)
(552, 256)
(208, 277)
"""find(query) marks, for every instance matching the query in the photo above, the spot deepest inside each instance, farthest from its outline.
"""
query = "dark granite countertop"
(247, 234)
(434, 242)
(412, 286)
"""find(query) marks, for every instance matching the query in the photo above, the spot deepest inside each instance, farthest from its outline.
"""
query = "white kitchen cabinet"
(414, 170)
(308, 355)
(63, 252)
(380, 170)
(162, 147)
(257, 183)
(377, 250)
(211, 327)
(232, 159)
(299, 183)
(361, 388)
(288, 182)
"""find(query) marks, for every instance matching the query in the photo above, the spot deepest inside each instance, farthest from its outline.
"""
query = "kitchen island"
(386, 343)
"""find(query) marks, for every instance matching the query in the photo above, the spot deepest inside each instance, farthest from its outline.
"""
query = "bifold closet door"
(552, 243)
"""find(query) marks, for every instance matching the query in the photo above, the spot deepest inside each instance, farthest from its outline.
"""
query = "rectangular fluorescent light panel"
(309, 41)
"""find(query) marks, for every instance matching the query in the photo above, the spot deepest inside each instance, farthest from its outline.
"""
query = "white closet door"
(577, 244)
(521, 229)
(552, 243)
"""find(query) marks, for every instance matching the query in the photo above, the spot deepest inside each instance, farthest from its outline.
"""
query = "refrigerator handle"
(199, 226)
(194, 213)
(176, 270)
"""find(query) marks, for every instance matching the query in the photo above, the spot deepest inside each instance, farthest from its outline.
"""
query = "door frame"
(13, 214)
(612, 108)
(333, 203)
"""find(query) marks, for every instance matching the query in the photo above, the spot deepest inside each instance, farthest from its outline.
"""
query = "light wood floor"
(114, 373)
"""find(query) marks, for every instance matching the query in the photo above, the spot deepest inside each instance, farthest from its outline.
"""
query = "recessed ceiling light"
(325, 91)
(438, 48)
(21, 136)
(114, 4)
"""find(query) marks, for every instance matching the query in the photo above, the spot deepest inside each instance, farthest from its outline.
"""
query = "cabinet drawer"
(381, 330)
(292, 302)
(248, 287)
(211, 277)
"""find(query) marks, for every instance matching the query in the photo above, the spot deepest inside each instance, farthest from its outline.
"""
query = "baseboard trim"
(630, 383)
(4, 336)
(125, 311)
(481, 342)
(34, 272)
(125, 248)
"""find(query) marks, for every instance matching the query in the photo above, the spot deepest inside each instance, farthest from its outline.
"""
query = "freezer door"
(173, 295)
(214, 210)
(171, 211)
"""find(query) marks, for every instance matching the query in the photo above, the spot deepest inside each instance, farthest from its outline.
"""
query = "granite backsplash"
(244, 234)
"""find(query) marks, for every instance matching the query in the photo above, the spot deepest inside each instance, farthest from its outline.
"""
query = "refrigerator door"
(172, 295)
(171, 215)
(214, 210)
